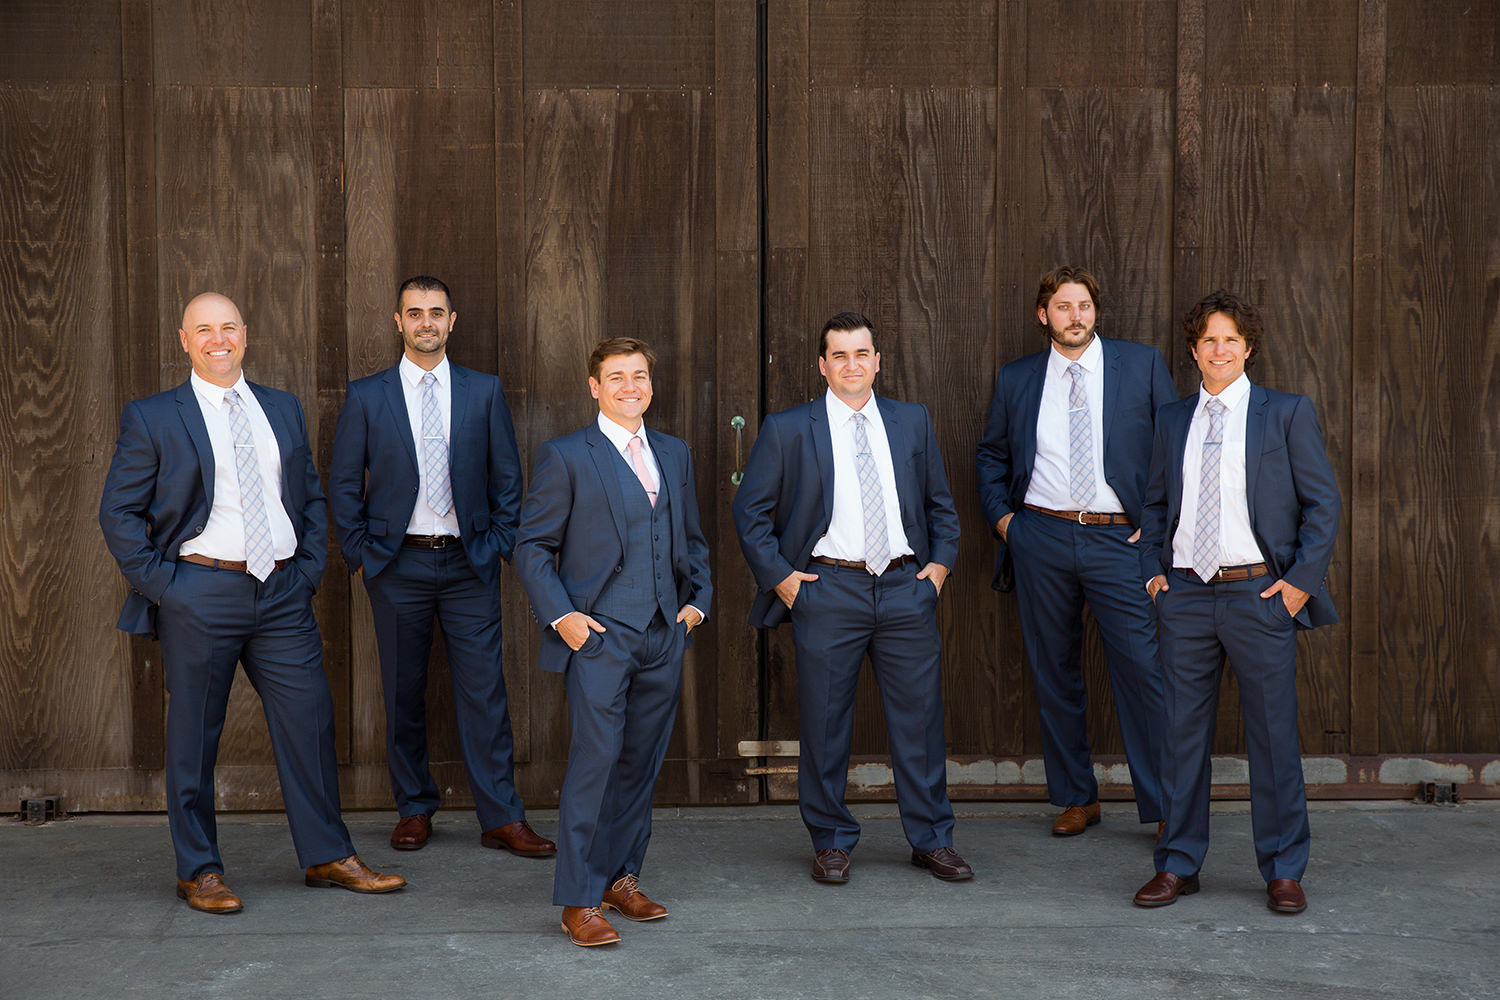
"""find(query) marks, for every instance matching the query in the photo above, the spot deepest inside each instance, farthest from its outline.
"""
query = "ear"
(1041, 315)
(182, 337)
(593, 387)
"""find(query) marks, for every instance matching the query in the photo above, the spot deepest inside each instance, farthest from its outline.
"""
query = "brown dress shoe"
(1284, 895)
(521, 840)
(626, 897)
(831, 865)
(1075, 819)
(412, 832)
(587, 928)
(352, 874)
(208, 893)
(944, 863)
(1164, 889)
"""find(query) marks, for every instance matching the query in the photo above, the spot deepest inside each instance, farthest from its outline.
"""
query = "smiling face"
(1069, 319)
(623, 389)
(213, 335)
(850, 364)
(1221, 353)
(424, 321)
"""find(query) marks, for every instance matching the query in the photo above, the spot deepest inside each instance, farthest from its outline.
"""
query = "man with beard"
(426, 490)
(1062, 470)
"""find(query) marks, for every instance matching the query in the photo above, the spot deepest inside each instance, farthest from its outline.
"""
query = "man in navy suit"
(845, 518)
(222, 573)
(1062, 468)
(616, 567)
(1241, 516)
(426, 489)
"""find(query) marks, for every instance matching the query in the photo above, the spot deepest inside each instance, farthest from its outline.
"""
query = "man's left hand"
(1293, 597)
(690, 615)
(936, 572)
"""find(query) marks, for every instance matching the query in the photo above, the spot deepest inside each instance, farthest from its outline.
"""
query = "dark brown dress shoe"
(944, 863)
(519, 839)
(208, 893)
(352, 874)
(587, 928)
(1284, 895)
(831, 865)
(626, 897)
(412, 832)
(1164, 889)
(1075, 819)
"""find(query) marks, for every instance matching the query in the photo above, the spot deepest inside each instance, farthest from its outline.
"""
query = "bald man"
(213, 509)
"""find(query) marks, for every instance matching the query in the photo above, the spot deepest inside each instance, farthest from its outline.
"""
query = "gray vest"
(644, 583)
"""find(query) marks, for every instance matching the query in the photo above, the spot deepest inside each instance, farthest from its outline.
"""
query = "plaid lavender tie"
(259, 557)
(1206, 532)
(435, 450)
(872, 503)
(1080, 441)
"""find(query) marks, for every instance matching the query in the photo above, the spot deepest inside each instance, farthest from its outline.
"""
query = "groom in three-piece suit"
(1062, 469)
(845, 518)
(1241, 516)
(426, 489)
(213, 509)
(616, 567)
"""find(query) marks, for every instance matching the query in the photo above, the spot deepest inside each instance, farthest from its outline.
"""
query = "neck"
(855, 403)
(426, 362)
(631, 426)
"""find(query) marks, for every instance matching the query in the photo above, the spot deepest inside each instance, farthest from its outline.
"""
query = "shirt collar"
(1233, 396)
(619, 436)
(413, 372)
(214, 394)
(1093, 355)
(840, 412)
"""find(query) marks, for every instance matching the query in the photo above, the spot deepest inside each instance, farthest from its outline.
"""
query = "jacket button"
(617, 569)
(414, 489)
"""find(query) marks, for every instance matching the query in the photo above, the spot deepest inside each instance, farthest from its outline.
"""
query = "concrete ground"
(1404, 903)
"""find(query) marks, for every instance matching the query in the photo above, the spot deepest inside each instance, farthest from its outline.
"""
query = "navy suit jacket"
(374, 436)
(785, 501)
(1136, 385)
(1289, 488)
(572, 536)
(160, 490)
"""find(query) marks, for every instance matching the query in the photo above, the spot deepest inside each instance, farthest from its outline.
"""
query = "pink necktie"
(638, 461)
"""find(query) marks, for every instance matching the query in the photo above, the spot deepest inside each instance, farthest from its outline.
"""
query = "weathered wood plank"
(410, 44)
(667, 44)
(233, 43)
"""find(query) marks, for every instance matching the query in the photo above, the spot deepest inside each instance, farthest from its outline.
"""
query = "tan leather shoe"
(352, 874)
(518, 839)
(1075, 819)
(208, 893)
(1164, 889)
(1284, 895)
(587, 928)
(412, 832)
(626, 897)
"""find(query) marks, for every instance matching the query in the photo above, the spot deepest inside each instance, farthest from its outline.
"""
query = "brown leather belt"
(859, 564)
(234, 565)
(1231, 574)
(1080, 516)
(429, 541)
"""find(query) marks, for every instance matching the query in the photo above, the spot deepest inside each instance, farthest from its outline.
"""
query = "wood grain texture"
(66, 687)
(409, 44)
(1305, 43)
(878, 43)
(626, 46)
(1439, 605)
(233, 43)
(1442, 42)
(786, 127)
(1100, 43)
(52, 42)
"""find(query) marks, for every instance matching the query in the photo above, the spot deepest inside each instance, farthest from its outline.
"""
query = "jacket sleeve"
(312, 538)
(1317, 495)
(504, 479)
(125, 505)
(539, 538)
(754, 509)
(992, 460)
(346, 479)
(942, 515)
(1154, 508)
(700, 591)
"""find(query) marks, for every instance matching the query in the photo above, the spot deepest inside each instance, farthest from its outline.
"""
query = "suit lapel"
(1179, 421)
(192, 418)
(1030, 411)
(1255, 436)
(896, 440)
(458, 408)
(284, 441)
(1111, 389)
(817, 412)
(603, 454)
(395, 401)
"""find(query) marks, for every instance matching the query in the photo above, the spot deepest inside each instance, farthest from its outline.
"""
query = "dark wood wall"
(718, 176)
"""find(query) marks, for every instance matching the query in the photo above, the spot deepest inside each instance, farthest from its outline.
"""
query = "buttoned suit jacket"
(373, 481)
(784, 503)
(572, 536)
(160, 489)
(1290, 490)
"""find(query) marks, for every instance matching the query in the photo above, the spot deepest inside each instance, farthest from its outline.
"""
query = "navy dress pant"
(1058, 566)
(208, 621)
(421, 586)
(838, 620)
(1201, 624)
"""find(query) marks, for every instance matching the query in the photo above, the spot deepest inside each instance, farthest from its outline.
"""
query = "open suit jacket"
(572, 535)
(160, 490)
(375, 432)
(785, 501)
(1289, 487)
(1136, 385)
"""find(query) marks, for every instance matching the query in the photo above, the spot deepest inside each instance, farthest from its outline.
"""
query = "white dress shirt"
(1050, 473)
(846, 529)
(1237, 546)
(425, 520)
(223, 537)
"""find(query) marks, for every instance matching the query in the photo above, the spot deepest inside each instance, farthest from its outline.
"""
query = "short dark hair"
(423, 283)
(1244, 316)
(845, 322)
(615, 347)
(1059, 276)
